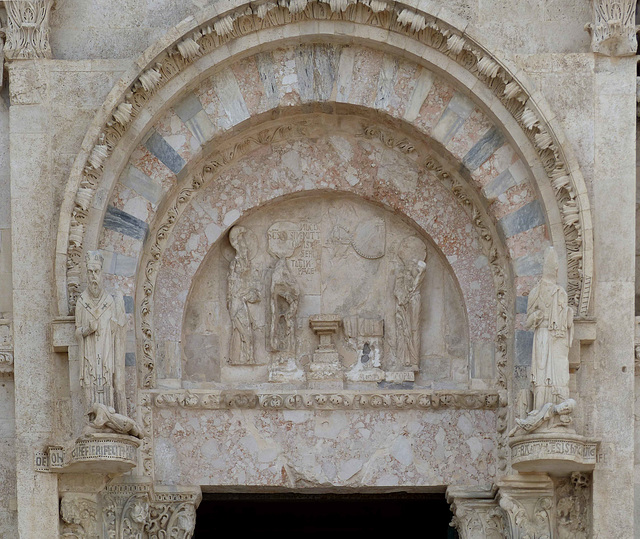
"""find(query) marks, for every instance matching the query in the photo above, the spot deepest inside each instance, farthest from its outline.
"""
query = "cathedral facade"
(317, 248)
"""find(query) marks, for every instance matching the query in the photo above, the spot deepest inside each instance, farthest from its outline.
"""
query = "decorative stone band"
(571, 195)
(560, 453)
(95, 453)
(312, 400)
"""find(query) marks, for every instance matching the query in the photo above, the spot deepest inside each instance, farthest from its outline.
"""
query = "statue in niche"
(101, 336)
(409, 275)
(551, 318)
(242, 290)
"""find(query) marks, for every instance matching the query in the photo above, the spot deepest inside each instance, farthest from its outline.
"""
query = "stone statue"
(104, 418)
(101, 336)
(551, 318)
(284, 307)
(242, 290)
(408, 279)
(548, 413)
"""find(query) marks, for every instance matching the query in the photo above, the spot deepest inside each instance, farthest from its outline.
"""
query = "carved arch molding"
(420, 34)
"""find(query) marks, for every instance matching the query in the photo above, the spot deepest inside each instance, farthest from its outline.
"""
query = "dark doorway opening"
(316, 515)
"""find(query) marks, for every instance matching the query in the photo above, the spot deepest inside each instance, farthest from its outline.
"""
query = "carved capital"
(27, 32)
(140, 509)
(476, 513)
(79, 516)
(613, 30)
(527, 502)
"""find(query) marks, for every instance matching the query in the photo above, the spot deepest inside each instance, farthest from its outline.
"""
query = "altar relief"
(323, 291)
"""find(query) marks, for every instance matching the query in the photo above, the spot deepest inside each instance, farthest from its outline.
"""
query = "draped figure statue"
(551, 318)
(101, 336)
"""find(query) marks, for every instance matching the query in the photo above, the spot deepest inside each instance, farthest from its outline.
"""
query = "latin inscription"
(92, 450)
(554, 447)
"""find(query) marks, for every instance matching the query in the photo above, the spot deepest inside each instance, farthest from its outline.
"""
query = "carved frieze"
(27, 31)
(573, 506)
(613, 30)
(312, 400)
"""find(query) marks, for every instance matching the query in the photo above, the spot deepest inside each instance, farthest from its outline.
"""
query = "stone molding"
(79, 516)
(554, 452)
(338, 400)
(428, 30)
(27, 32)
(213, 165)
(613, 30)
(6, 348)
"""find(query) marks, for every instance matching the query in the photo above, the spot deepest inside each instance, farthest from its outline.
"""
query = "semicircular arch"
(193, 50)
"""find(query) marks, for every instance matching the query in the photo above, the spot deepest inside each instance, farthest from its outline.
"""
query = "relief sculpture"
(283, 240)
(242, 290)
(410, 269)
(327, 291)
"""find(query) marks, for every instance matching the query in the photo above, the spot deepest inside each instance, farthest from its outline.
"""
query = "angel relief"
(291, 267)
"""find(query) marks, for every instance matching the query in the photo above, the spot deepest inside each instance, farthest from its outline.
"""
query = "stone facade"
(291, 245)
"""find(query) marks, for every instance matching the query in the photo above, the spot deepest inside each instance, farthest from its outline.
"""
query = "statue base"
(101, 453)
(285, 370)
(554, 452)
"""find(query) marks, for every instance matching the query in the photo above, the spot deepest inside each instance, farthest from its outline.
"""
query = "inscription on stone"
(90, 450)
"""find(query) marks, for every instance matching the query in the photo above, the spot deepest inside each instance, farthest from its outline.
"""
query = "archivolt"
(395, 25)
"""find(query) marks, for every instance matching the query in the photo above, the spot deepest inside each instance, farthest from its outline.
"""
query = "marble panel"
(302, 448)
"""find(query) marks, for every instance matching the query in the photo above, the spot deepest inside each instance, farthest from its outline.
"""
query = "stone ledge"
(63, 333)
(91, 453)
(553, 453)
